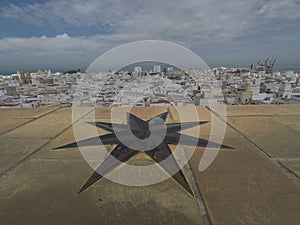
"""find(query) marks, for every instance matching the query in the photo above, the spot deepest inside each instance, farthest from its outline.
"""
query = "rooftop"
(256, 182)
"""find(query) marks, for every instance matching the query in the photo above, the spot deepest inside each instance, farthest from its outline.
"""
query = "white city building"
(156, 68)
(138, 69)
(285, 90)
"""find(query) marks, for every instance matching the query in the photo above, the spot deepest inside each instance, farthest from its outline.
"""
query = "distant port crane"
(266, 66)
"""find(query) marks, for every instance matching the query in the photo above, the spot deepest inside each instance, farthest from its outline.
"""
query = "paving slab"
(215, 126)
(243, 187)
(258, 110)
(21, 113)
(13, 151)
(293, 166)
(274, 138)
(294, 107)
(45, 193)
(9, 124)
(66, 137)
(48, 126)
(290, 121)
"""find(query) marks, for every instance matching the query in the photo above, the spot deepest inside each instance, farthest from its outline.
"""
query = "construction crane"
(270, 64)
(267, 66)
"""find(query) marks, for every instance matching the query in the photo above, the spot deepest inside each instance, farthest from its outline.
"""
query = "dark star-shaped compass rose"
(155, 136)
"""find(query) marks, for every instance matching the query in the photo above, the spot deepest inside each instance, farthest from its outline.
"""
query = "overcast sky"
(70, 34)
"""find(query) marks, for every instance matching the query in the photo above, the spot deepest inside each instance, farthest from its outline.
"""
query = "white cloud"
(72, 12)
(60, 51)
(192, 23)
(63, 44)
(63, 36)
(47, 45)
(205, 20)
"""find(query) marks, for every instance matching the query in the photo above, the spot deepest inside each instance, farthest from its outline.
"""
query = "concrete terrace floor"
(257, 182)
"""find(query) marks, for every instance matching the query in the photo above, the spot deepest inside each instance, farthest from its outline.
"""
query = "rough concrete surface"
(256, 182)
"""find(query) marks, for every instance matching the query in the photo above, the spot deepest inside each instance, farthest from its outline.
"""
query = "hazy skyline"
(71, 34)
